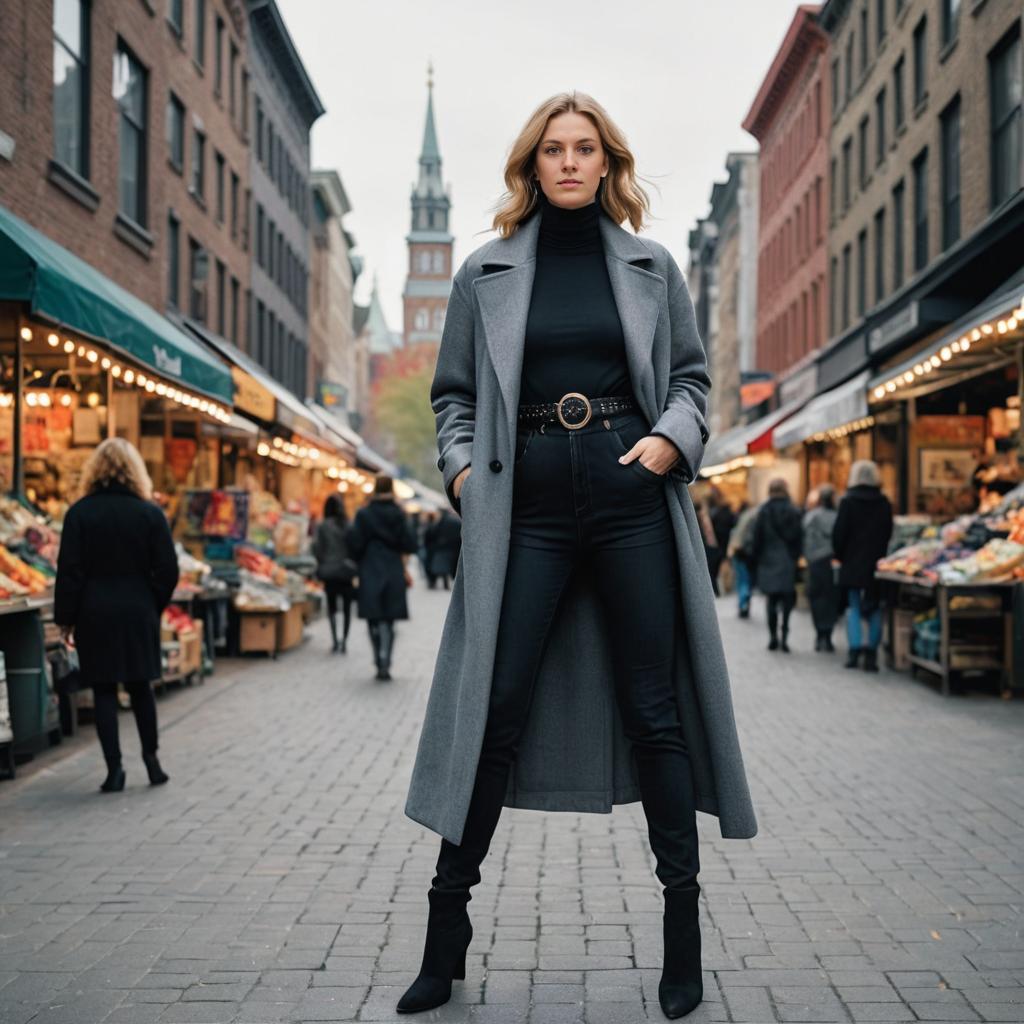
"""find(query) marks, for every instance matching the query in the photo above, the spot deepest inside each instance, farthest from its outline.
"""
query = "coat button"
(495, 466)
(440, 463)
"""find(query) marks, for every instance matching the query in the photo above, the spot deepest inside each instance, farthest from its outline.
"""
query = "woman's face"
(570, 160)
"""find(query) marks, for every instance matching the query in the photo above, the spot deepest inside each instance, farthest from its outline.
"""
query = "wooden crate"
(192, 649)
(289, 628)
(257, 632)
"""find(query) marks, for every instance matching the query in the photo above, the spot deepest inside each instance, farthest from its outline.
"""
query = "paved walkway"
(277, 879)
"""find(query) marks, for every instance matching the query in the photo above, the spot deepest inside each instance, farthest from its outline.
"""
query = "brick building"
(143, 173)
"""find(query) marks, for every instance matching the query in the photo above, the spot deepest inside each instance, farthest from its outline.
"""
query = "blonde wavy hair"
(619, 194)
(116, 460)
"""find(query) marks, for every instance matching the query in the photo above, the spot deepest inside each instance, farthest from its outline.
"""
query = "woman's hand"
(67, 634)
(661, 453)
(459, 480)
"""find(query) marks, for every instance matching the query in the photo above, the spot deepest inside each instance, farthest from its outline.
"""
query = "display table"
(975, 632)
(268, 631)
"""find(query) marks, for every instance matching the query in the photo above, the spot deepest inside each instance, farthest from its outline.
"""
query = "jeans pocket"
(636, 465)
(523, 440)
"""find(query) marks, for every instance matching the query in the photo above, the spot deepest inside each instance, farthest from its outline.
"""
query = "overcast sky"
(678, 76)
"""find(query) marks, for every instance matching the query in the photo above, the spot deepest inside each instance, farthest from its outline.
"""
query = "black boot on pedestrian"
(334, 633)
(449, 933)
(826, 643)
(819, 644)
(373, 625)
(773, 643)
(852, 658)
(870, 659)
(114, 782)
(387, 640)
(784, 646)
(682, 985)
(157, 776)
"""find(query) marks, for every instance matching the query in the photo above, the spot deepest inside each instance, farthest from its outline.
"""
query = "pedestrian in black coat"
(380, 539)
(444, 541)
(335, 568)
(776, 548)
(860, 538)
(116, 572)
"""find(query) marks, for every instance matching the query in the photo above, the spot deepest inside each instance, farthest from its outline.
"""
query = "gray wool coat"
(574, 755)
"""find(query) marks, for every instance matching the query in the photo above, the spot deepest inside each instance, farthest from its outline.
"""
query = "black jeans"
(783, 602)
(105, 710)
(333, 589)
(577, 508)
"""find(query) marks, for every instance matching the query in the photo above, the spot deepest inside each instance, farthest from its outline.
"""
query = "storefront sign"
(896, 327)
(163, 360)
(252, 397)
(333, 396)
(801, 387)
(949, 431)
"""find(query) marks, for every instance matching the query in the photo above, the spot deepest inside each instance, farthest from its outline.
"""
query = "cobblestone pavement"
(276, 877)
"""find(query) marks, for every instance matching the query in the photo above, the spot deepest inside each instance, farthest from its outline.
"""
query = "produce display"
(28, 552)
(261, 565)
(985, 547)
(176, 620)
(257, 593)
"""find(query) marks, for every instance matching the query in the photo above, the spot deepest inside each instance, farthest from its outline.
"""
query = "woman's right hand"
(459, 480)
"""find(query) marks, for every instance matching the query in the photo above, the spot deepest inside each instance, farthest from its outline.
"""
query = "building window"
(1005, 90)
(880, 142)
(880, 28)
(862, 272)
(198, 271)
(218, 55)
(176, 133)
(834, 297)
(899, 111)
(198, 185)
(261, 333)
(849, 67)
(235, 290)
(222, 313)
(232, 76)
(951, 173)
(130, 94)
(219, 184)
(175, 15)
(863, 39)
(199, 14)
(879, 255)
(846, 286)
(950, 20)
(71, 85)
(422, 321)
(920, 56)
(835, 85)
(173, 261)
(847, 171)
(259, 130)
(438, 261)
(234, 204)
(862, 144)
(832, 179)
(920, 169)
(245, 104)
(898, 214)
(259, 234)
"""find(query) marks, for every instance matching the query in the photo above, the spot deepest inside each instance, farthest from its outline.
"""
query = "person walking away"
(335, 568)
(740, 550)
(381, 538)
(860, 537)
(776, 548)
(723, 521)
(445, 541)
(712, 552)
(822, 591)
(116, 572)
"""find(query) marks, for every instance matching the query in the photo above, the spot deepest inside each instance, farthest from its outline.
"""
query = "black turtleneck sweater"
(574, 337)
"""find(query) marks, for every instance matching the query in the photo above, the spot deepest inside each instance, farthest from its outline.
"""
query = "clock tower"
(429, 279)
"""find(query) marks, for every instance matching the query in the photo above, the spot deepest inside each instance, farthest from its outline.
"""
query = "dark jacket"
(330, 549)
(377, 538)
(723, 519)
(776, 546)
(443, 541)
(116, 572)
(861, 534)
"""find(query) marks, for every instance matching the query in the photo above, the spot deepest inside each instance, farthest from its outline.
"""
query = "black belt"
(574, 410)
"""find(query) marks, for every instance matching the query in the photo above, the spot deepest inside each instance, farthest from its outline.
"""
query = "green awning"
(65, 290)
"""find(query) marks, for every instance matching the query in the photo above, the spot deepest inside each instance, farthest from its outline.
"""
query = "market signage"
(252, 397)
(163, 360)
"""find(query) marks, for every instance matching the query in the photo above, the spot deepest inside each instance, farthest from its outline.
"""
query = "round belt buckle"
(576, 403)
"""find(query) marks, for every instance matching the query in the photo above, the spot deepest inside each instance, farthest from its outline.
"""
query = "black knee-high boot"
(666, 788)
(387, 644)
(449, 930)
(373, 625)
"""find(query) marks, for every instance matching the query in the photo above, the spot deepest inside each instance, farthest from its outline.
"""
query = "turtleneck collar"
(576, 229)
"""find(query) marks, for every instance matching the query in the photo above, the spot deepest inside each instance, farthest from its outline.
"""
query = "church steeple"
(430, 243)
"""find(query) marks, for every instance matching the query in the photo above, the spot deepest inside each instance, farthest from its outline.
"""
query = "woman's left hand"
(660, 453)
(408, 577)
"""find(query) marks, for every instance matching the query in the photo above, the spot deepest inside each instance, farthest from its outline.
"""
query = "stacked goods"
(28, 551)
(997, 560)
(255, 562)
(18, 578)
(176, 620)
(257, 593)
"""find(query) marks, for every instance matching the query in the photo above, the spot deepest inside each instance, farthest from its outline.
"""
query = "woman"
(739, 551)
(381, 539)
(822, 593)
(116, 572)
(335, 568)
(723, 521)
(570, 393)
(776, 548)
(444, 539)
(860, 538)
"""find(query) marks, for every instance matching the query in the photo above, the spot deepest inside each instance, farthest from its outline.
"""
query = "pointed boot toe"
(682, 985)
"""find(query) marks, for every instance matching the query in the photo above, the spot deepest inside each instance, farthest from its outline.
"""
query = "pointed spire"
(430, 151)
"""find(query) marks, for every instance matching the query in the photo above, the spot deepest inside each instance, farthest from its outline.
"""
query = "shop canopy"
(831, 409)
(257, 394)
(746, 439)
(67, 291)
(972, 345)
(345, 437)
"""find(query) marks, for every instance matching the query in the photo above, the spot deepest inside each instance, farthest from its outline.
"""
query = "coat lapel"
(504, 298)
